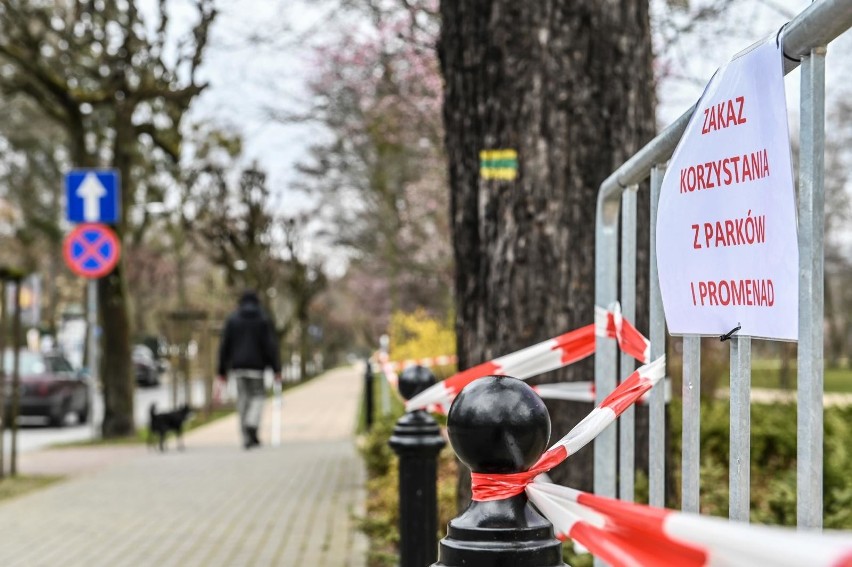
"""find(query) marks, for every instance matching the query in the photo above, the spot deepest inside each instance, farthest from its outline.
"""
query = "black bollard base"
(497, 533)
(417, 440)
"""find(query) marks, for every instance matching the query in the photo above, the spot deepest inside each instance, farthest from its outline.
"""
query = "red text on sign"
(759, 293)
(724, 115)
(730, 232)
(726, 171)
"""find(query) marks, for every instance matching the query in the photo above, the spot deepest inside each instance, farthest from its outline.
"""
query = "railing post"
(627, 422)
(606, 285)
(691, 434)
(499, 425)
(811, 237)
(657, 406)
(417, 441)
(368, 396)
(740, 445)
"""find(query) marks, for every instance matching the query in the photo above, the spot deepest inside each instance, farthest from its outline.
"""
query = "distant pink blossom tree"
(380, 175)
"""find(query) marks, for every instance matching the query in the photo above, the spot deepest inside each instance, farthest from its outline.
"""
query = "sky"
(248, 78)
(251, 79)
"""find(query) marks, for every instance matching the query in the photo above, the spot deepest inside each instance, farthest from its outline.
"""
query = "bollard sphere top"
(498, 424)
(414, 380)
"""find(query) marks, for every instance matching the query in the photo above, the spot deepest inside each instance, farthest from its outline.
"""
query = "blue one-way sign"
(93, 195)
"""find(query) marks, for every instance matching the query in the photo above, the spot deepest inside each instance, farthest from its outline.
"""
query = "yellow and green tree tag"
(498, 164)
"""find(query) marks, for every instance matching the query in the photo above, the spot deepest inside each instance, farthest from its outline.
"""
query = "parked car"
(145, 366)
(49, 387)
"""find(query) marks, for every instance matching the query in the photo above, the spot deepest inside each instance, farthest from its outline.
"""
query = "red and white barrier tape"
(526, 363)
(584, 391)
(545, 356)
(627, 535)
(388, 369)
(630, 340)
(486, 486)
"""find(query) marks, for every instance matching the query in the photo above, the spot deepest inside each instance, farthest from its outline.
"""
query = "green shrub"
(773, 473)
(773, 462)
(381, 523)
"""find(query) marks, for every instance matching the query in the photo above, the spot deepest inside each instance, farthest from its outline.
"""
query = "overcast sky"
(247, 78)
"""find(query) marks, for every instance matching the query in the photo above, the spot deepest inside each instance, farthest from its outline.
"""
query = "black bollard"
(417, 441)
(368, 396)
(499, 425)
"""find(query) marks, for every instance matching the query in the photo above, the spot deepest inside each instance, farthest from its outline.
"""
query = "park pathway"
(214, 504)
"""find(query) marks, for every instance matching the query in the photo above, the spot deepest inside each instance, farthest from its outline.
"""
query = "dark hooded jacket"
(248, 340)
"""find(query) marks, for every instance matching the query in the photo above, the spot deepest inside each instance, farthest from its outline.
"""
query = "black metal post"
(499, 425)
(368, 396)
(417, 441)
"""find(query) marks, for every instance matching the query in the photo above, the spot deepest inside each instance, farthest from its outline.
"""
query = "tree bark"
(116, 364)
(115, 367)
(569, 86)
(113, 316)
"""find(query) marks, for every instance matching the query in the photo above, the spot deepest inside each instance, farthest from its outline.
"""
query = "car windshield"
(58, 364)
(142, 353)
(31, 363)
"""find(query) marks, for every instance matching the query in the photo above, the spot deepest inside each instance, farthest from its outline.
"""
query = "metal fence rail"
(804, 40)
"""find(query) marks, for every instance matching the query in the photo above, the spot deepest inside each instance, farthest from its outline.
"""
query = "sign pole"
(92, 249)
(92, 316)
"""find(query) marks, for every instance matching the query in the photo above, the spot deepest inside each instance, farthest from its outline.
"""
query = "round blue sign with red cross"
(92, 250)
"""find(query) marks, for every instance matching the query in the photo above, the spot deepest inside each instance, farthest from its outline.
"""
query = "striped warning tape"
(626, 535)
(488, 486)
(584, 391)
(610, 323)
(545, 356)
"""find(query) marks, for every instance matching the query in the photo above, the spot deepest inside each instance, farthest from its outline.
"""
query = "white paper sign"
(727, 249)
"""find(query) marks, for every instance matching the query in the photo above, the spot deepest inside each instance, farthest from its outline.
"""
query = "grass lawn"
(11, 487)
(765, 376)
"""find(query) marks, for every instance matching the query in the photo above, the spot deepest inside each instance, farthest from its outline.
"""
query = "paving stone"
(215, 503)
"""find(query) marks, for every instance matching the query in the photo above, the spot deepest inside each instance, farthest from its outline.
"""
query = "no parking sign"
(92, 250)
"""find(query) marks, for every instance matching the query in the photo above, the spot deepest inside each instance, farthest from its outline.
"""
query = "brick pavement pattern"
(214, 504)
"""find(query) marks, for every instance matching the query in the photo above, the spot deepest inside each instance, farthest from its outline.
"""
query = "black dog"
(162, 423)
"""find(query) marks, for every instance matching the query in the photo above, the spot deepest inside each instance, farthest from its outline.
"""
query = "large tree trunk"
(116, 364)
(569, 85)
(114, 367)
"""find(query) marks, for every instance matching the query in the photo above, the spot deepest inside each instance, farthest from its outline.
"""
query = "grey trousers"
(250, 398)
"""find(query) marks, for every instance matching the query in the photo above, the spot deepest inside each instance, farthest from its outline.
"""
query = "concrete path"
(776, 396)
(214, 504)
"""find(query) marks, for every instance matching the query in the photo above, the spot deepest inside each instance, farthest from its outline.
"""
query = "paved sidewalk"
(214, 504)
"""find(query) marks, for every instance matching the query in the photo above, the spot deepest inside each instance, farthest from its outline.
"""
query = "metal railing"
(803, 40)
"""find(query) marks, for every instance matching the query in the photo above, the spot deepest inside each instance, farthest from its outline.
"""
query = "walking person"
(248, 348)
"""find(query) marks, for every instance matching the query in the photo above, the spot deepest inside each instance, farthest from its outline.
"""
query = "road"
(34, 434)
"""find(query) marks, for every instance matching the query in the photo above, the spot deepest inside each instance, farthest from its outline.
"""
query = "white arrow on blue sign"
(93, 195)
